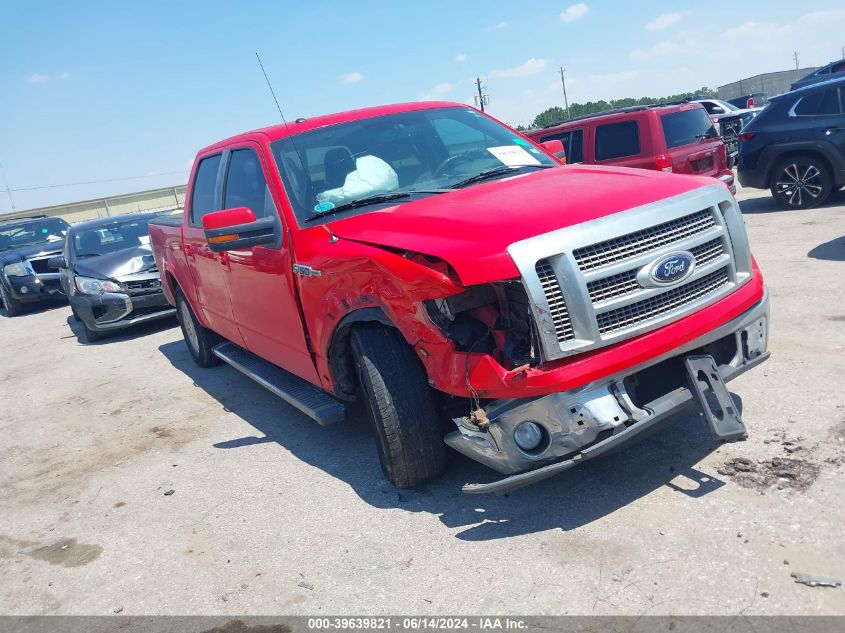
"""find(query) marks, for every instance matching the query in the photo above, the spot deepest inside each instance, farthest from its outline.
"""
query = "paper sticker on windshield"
(513, 155)
(322, 207)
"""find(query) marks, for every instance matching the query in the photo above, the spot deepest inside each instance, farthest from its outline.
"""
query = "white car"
(729, 120)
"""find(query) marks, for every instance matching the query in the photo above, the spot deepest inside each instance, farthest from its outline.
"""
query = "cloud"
(461, 57)
(37, 78)
(530, 67)
(659, 50)
(350, 78)
(663, 20)
(438, 92)
(501, 26)
(574, 12)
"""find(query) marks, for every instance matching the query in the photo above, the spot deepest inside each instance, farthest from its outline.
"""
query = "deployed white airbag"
(371, 176)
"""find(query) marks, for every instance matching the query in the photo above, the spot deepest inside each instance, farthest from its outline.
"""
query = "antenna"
(272, 92)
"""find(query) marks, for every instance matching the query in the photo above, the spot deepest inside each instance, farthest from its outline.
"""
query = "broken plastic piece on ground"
(816, 581)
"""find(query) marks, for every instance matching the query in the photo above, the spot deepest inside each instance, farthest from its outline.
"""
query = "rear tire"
(12, 305)
(801, 182)
(200, 340)
(398, 402)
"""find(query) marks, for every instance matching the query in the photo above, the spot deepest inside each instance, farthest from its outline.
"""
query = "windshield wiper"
(374, 199)
(492, 173)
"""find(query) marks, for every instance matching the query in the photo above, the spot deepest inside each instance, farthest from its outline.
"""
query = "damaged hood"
(472, 228)
(117, 265)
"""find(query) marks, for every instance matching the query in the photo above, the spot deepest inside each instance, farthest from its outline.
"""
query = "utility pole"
(8, 191)
(795, 57)
(565, 100)
(482, 99)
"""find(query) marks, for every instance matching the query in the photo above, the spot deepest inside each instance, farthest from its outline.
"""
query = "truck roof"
(274, 132)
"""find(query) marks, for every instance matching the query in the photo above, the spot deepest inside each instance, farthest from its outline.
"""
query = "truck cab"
(466, 287)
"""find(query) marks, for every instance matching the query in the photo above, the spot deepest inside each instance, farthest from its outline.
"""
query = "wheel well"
(340, 349)
(798, 152)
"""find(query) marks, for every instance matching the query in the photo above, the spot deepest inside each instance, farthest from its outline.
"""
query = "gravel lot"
(272, 514)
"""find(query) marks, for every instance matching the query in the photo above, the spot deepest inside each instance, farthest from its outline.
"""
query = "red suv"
(679, 138)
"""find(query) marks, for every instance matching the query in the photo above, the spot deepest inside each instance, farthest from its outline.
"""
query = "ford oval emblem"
(671, 268)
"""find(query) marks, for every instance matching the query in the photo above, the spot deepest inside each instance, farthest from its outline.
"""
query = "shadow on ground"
(573, 499)
(834, 250)
(77, 330)
(765, 203)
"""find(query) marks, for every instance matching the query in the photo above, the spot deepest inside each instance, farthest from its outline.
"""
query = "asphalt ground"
(132, 481)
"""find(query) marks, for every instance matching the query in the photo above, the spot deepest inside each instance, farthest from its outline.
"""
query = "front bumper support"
(116, 311)
(604, 416)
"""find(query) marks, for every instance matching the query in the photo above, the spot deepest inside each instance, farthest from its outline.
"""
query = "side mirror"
(552, 146)
(236, 228)
(57, 261)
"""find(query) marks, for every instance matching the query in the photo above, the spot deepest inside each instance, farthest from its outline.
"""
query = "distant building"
(770, 84)
(163, 199)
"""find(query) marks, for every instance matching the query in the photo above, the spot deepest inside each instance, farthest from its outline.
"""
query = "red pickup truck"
(467, 288)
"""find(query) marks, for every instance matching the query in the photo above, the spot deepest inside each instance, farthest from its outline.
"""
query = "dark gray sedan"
(110, 276)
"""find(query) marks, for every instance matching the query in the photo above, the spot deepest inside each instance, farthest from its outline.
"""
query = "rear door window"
(820, 103)
(686, 127)
(617, 140)
(203, 199)
(573, 144)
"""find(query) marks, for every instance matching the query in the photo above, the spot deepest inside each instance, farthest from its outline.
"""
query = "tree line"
(557, 114)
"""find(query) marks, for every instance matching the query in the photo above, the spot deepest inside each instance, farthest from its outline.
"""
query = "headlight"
(89, 286)
(18, 269)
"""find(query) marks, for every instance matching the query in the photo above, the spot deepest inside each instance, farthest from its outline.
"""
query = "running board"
(316, 404)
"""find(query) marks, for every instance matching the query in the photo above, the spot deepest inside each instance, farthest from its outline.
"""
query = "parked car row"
(104, 268)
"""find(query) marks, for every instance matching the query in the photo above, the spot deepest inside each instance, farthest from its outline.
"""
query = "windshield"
(110, 238)
(413, 153)
(687, 126)
(32, 232)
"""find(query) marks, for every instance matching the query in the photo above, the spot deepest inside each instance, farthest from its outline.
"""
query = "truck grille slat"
(557, 304)
(652, 238)
(636, 313)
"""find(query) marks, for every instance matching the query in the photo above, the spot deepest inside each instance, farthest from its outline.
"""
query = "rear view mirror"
(236, 228)
(57, 261)
(554, 147)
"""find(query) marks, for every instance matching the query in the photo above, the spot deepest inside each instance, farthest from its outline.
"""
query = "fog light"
(24, 290)
(528, 436)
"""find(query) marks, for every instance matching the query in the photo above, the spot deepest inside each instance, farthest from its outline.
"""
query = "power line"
(97, 182)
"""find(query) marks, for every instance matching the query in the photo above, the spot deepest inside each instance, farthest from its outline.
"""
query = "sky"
(102, 98)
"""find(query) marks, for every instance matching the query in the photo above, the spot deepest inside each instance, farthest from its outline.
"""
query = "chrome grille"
(650, 239)
(554, 297)
(636, 313)
(614, 286)
(588, 283)
(708, 251)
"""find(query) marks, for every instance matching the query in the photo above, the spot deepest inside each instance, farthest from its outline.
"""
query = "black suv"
(796, 146)
(26, 245)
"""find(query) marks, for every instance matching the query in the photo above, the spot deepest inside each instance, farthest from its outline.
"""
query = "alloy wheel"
(799, 183)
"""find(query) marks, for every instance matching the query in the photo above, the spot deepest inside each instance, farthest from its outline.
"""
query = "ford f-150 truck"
(465, 287)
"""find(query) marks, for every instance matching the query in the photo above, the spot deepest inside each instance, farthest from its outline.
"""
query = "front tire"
(12, 305)
(801, 182)
(394, 386)
(200, 340)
